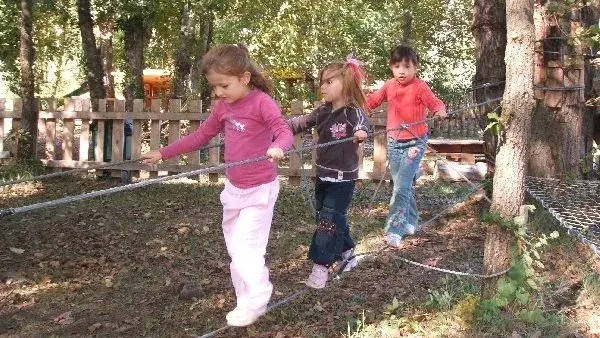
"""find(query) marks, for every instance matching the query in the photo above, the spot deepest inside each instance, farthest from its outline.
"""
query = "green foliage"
(515, 290)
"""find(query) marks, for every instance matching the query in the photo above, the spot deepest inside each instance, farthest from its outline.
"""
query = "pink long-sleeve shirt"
(406, 104)
(251, 125)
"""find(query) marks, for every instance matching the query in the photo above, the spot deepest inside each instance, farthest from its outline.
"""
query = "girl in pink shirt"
(253, 126)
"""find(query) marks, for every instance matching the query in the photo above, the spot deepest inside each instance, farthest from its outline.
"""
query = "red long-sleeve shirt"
(406, 104)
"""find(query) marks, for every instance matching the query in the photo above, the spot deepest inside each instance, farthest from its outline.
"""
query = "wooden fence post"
(136, 136)
(195, 106)
(174, 128)
(99, 149)
(118, 129)
(84, 135)
(297, 109)
(155, 129)
(16, 125)
(68, 134)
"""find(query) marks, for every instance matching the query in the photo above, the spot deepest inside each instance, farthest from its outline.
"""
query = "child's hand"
(151, 157)
(275, 154)
(441, 114)
(359, 136)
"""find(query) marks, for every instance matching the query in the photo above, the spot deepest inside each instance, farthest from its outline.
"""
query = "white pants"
(247, 216)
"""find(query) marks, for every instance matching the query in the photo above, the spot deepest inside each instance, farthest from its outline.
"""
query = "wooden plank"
(174, 127)
(136, 137)
(117, 134)
(297, 109)
(84, 135)
(447, 171)
(379, 151)
(50, 149)
(99, 148)
(16, 124)
(155, 129)
(195, 106)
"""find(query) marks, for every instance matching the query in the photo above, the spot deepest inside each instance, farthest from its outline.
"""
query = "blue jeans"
(332, 235)
(404, 159)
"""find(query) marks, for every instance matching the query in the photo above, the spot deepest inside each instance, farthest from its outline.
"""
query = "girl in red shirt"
(409, 99)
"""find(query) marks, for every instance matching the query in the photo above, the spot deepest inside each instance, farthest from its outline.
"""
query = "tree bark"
(489, 30)
(135, 39)
(93, 62)
(517, 105)
(183, 54)
(407, 28)
(28, 131)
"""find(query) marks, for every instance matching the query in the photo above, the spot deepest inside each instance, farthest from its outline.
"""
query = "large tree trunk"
(135, 35)
(517, 105)
(29, 117)
(183, 54)
(93, 62)
(489, 30)
(563, 136)
(407, 28)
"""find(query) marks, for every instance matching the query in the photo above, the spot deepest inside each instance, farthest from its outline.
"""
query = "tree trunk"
(563, 136)
(28, 131)
(93, 62)
(517, 105)
(199, 87)
(135, 35)
(183, 54)
(107, 55)
(489, 30)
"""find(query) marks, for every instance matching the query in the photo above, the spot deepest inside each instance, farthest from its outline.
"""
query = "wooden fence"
(65, 136)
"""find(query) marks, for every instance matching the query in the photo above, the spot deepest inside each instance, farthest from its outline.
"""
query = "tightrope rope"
(78, 170)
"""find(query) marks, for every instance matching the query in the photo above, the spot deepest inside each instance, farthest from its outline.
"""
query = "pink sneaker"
(244, 317)
(318, 277)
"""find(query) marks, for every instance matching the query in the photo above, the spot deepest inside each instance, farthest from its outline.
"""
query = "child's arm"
(282, 135)
(435, 105)
(360, 122)
(302, 123)
(207, 130)
(375, 99)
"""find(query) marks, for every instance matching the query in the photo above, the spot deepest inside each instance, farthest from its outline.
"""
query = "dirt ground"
(152, 263)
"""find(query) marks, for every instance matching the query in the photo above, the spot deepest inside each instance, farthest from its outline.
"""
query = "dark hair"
(403, 53)
(352, 77)
(234, 59)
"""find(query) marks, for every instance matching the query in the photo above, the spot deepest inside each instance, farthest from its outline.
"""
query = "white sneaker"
(352, 262)
(394, 240)
(410, 229)
(318, 277)
(244, 317)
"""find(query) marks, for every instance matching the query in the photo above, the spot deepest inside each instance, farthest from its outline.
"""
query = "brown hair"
(234, 60)
(352, 77)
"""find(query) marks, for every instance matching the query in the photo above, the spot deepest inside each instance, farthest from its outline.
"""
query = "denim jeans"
(404, 159)
(332, 235)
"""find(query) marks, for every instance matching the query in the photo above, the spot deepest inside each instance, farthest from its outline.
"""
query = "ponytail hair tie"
(356, 67)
